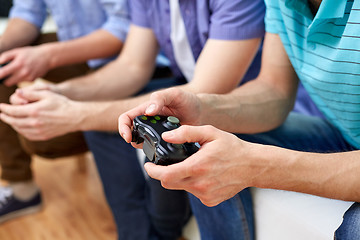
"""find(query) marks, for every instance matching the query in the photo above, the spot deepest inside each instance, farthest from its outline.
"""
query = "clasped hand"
(39, 114)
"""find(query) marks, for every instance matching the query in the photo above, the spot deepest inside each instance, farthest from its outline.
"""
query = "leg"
(66, 145)
(22, 195)
(141, 209)
(169, 210)
(303, 133)
(350, 227)
(14, 161)
(123, 183)
(230, 220)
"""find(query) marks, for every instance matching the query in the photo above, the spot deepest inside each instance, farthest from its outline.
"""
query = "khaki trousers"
(16, 151)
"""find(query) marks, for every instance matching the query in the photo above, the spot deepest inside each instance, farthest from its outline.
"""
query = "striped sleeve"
(273, 16)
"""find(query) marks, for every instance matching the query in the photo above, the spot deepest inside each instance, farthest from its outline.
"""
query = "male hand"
(220, 169)
(47, 115)
(25, 64)
(170, 102)
(17, 97)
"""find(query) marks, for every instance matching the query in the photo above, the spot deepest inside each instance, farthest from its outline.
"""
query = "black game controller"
(148, 130)
(3, 79)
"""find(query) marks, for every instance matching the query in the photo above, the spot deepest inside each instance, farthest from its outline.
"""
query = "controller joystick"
(148, 130)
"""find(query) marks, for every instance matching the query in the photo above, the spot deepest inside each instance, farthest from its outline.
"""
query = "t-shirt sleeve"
(118, 17)
(237, 19)
(32, 11)
(138, 13)
(273, 16)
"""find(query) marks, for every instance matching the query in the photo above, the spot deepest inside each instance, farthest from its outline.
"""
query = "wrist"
(207, 103)
(91, 116)
(49, 52)
(80, 116)
(63, 88)
(272, 166)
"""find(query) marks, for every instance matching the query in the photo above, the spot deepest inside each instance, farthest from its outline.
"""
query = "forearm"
(331, 175)
(103, 116)
(261, 104)
(82, 49)
(254, 107)
(18, 33)
(113, 81)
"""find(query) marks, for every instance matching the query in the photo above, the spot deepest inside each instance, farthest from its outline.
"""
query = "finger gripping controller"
(148, 129)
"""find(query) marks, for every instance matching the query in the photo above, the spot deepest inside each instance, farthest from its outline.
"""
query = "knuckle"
(166, 180)
(207, 200)
(34, 113)
(199, 169)
(154, 95)
(185, 130)
(201, 187)
(20, 62)
(13, 99)
(209, 128)
(37, 123)
(164, 184)
(25, 71)
(174, 91)
(211, 203)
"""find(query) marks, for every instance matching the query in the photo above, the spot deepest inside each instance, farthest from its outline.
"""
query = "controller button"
(173, 120)
(157, 118)
(144, 118)
(153, 121)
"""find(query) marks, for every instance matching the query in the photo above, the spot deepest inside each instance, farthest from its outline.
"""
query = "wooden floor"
(74, 205)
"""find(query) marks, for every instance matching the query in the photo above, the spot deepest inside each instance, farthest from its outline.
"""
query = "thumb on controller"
(186, 133)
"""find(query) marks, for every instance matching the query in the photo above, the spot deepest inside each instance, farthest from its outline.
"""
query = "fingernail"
(150, 109)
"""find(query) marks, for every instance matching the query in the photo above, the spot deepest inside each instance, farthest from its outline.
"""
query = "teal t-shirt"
(325, 53)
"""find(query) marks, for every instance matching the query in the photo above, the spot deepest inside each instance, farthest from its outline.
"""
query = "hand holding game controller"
(148, 129)
(184, 105)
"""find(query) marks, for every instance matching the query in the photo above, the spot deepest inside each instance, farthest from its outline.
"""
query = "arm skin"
(257, 106)
(86, 47)
(28, 63)
(214, 173)
(18, 33)
(121, 78)
(218, 70)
